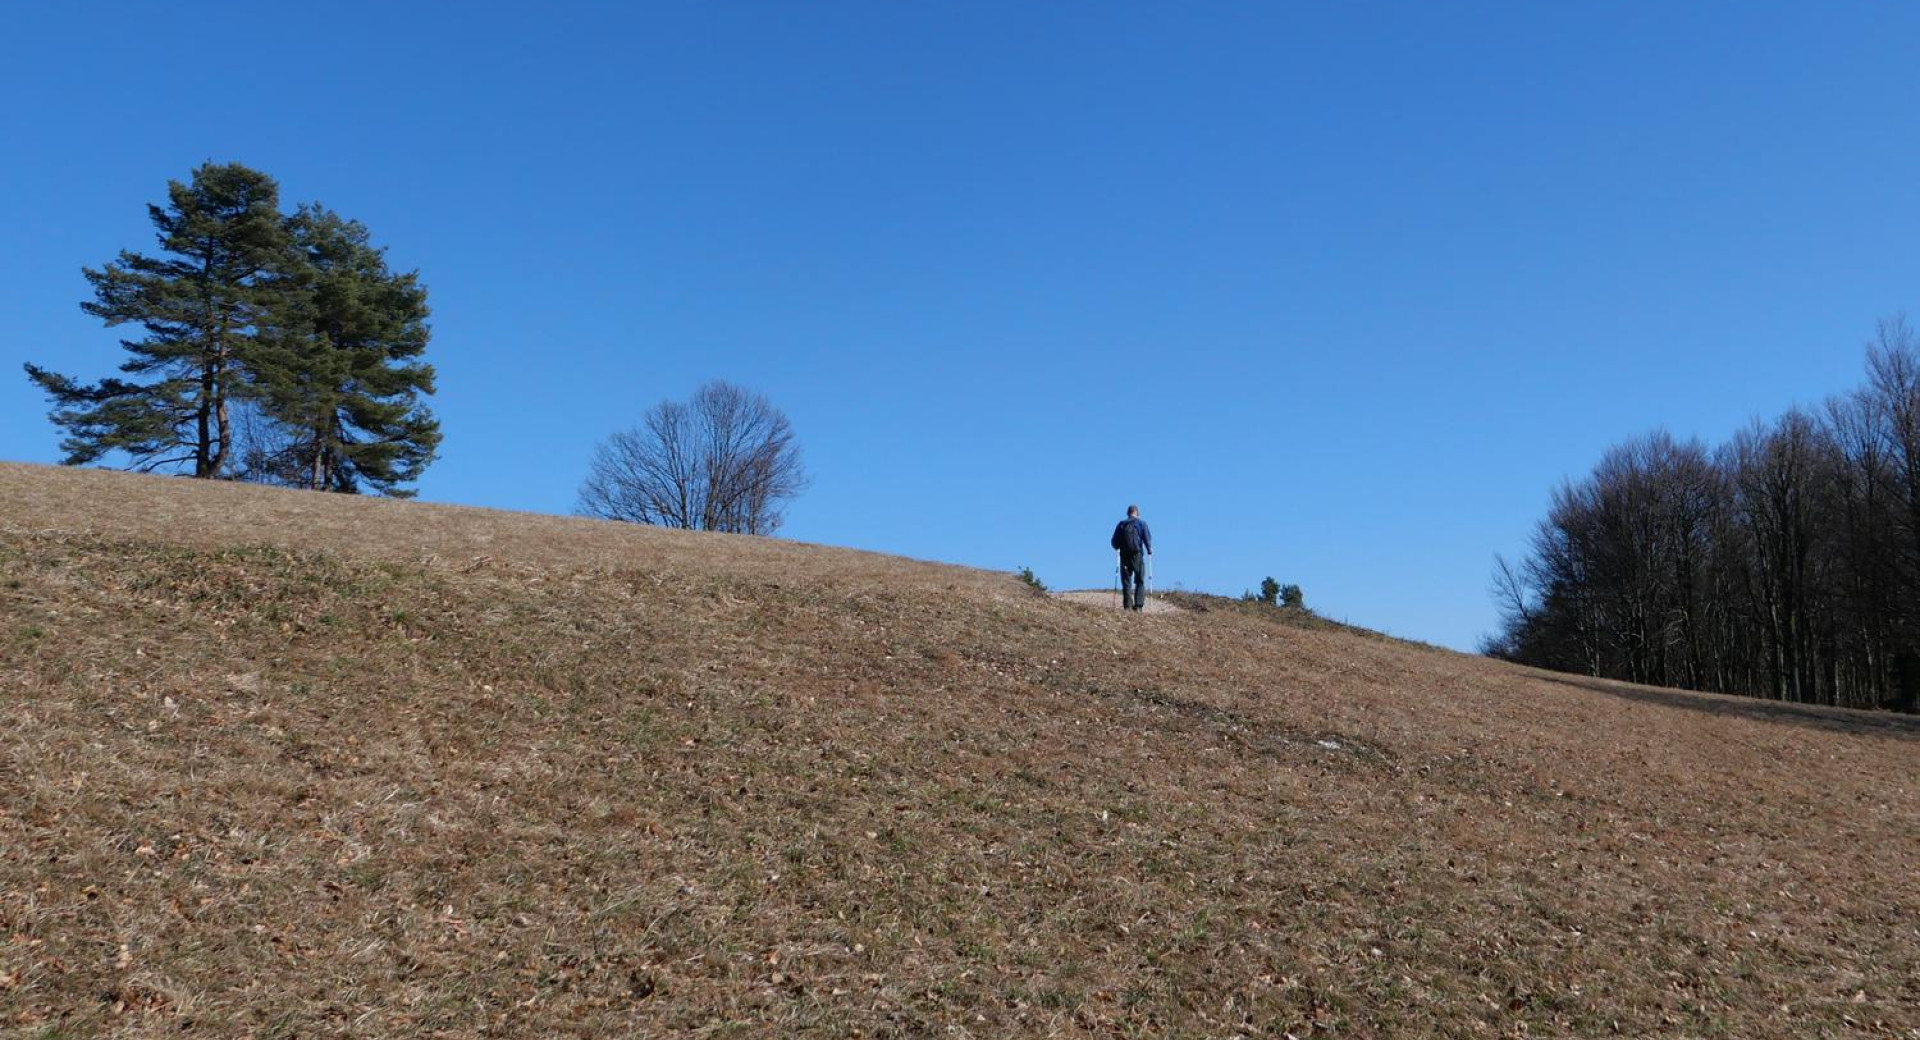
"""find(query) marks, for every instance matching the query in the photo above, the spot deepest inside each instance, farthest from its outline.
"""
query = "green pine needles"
(278, 349)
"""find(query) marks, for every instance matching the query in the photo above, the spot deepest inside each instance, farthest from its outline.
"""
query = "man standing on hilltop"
(1135, 543)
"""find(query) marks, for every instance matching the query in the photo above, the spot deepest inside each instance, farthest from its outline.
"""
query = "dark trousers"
(1133, 580)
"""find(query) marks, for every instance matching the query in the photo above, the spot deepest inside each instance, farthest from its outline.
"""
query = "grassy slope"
(286, 764)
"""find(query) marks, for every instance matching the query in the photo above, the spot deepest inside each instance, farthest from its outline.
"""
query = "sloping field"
(283, 764)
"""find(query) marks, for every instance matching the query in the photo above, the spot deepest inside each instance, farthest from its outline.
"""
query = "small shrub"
(1033, 580)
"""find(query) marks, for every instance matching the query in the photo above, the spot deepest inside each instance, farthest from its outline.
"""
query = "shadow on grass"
(1289, 617)
(1859, 722)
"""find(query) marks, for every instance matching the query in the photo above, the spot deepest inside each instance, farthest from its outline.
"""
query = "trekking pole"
(1119, 582)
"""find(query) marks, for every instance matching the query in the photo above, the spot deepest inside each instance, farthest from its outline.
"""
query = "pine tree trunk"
(225, 437)
(203, 416)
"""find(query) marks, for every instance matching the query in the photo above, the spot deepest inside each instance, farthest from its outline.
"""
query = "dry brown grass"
(282, 764)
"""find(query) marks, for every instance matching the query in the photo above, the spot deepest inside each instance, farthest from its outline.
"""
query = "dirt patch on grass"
(1110, 600)
(283, 764)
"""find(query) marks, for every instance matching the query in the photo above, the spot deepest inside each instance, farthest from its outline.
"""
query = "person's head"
(1133, 510)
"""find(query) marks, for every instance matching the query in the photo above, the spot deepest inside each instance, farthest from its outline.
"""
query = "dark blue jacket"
(1132, 536)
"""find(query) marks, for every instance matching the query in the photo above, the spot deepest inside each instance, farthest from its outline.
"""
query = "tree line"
(272, 347)
(1783, 564)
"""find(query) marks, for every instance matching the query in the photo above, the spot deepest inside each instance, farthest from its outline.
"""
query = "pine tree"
(203, 306)
(340, 376)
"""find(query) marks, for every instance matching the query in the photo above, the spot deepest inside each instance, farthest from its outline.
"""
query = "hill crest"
(288, 764)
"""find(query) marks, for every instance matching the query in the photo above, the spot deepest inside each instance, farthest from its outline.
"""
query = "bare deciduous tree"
(725, 460)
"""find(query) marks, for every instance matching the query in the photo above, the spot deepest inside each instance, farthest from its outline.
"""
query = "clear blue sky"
(1335, 292)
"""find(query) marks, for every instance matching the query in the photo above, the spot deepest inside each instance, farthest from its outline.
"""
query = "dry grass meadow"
(276, 764)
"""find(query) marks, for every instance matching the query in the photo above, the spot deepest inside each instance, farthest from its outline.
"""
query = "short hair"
(1133, 510)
